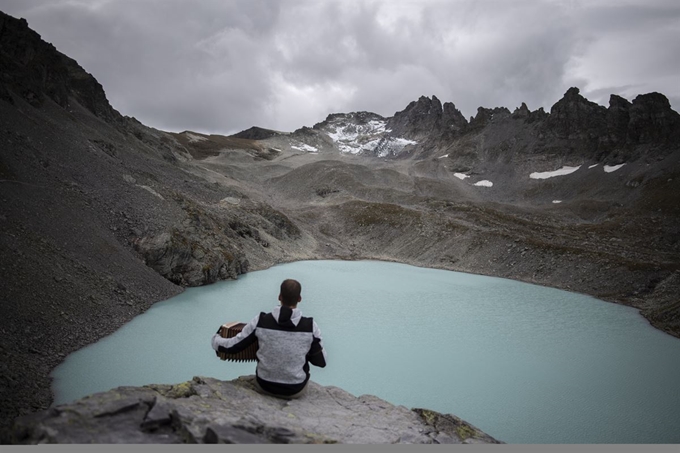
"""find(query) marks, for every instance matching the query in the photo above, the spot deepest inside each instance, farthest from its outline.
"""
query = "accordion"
(247, 355)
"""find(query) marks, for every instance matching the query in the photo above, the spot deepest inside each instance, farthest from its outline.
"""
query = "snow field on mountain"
(348, 137)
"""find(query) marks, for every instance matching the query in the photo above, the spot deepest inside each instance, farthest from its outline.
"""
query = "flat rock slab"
(207, 410)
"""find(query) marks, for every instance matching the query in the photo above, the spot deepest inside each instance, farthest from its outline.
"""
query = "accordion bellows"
(232, 329)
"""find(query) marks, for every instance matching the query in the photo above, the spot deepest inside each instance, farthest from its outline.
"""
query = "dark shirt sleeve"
(317, 354)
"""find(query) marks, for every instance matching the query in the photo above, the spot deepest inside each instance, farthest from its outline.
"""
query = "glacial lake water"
(524, 363)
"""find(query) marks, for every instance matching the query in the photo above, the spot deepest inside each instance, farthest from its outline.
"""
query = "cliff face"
(207, 410)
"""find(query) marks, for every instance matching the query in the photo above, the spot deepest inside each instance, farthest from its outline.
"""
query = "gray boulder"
(207, 410)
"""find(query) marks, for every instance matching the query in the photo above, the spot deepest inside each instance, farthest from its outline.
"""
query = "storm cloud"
(223, 66)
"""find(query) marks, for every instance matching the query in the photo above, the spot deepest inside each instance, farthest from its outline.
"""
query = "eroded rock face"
(207, 410)
(189, 260)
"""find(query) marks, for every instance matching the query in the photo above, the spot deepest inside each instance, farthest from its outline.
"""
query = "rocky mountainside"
(102, 216)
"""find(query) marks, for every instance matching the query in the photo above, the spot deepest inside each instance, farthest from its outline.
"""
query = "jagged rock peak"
(617, 102)
(573, 102)
(484, 115)
(574, 116)
(34, 70)
(427, 115)
(423, 106)
(521, 111)
(453, 118)
(648, 119)
(573, 92)
(652, 119)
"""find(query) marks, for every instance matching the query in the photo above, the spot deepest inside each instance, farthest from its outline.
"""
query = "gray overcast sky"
(221, 66)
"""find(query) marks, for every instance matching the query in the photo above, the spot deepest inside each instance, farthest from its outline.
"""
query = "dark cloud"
(223, 66)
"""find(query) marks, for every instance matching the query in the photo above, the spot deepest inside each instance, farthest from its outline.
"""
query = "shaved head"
(290, 292)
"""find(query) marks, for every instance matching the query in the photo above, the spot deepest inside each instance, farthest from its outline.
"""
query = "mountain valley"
(103, 216)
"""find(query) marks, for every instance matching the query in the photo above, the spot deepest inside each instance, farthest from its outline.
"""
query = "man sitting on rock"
(288, 343)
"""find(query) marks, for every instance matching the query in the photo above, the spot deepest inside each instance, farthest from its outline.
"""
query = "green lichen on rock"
(465, 431)
(182, 390)
(429, 416)
(454, 426)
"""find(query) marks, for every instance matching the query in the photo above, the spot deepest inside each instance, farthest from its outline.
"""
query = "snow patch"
(194, 137)
(305, 147)
(593, 166)
(611, 168)
(549, 174)
(404, 141)
(441, 157)
(461, 176)
(484, 183)
(557, 201)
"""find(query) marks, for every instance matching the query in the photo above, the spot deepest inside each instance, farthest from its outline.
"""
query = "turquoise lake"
(524, 363)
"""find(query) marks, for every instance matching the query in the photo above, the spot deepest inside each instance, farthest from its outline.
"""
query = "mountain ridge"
(608, 133)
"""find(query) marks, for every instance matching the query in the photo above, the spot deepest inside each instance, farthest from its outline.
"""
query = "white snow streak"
(403, 142)
(461, 175)
(610, 168)
(549, 174)
(484, 183)
(557, 201)
(305, 147)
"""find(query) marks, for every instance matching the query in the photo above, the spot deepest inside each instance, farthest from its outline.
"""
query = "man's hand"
(213, 342)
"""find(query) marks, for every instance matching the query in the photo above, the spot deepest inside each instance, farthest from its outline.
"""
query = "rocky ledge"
(207, 410)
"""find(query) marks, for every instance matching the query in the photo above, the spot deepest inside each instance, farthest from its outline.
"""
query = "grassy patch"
(366, 214)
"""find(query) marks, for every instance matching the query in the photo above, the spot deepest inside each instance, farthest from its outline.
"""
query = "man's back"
(288, 343)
